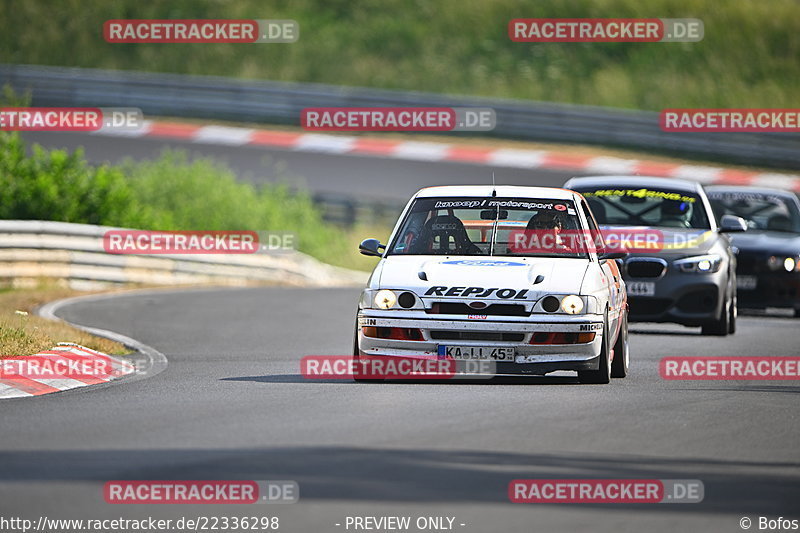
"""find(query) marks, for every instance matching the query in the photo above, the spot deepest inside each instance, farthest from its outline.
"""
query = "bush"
(203, 194)
(170, 193)
(57, 185)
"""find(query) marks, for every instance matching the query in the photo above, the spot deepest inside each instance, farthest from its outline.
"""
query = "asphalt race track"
(232, 405)
(361, 176)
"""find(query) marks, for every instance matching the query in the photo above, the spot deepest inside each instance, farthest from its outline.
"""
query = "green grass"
(24, 333)
(169, 193)
(750, 56)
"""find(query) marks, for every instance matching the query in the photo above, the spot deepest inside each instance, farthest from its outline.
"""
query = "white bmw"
(493, 273)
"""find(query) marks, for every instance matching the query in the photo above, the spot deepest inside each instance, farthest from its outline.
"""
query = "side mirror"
(732, 224)
(605, 256)
(371, 247)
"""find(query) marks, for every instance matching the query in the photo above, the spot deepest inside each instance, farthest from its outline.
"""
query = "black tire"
(719, 327)
(356, 355)
(797, 312)
(621, 361)
(602, 375)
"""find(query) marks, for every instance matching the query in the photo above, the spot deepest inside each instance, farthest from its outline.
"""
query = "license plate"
(466, 353)
(641, 288)
(747, 283)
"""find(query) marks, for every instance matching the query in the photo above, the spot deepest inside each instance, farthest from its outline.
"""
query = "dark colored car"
(768, 270)
(689, 276)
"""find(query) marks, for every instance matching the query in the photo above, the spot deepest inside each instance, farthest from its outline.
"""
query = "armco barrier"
(281, 103)
(32, 249)
(345, 210)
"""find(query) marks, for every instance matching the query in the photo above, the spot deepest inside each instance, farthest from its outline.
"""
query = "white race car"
(492, 273)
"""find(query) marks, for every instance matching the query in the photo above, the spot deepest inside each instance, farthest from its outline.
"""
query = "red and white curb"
(55, 370)
(461, 153)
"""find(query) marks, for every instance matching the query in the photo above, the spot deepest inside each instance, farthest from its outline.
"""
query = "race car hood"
(559, 275)
(774, 242)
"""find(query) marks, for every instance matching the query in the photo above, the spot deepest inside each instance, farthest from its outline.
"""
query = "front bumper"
(772, 288)
(529, 359)
(771, 291)
(691, 299)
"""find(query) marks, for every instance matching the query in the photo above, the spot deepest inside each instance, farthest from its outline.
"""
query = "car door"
(611, 273)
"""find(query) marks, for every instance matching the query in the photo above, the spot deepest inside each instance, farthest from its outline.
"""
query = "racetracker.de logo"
(200, 492)
(730, 368)
(200, 31)
(551, 241)
(731, 120)
(606, 491)
(397, 119)
(58, 365)
(389, 367)
(181, 242)
(605, 30)
(70, 118)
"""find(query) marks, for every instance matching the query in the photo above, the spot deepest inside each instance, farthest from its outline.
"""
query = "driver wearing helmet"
(547, 226)
(544, 220)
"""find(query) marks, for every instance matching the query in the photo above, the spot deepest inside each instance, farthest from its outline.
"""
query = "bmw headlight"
(780, 262)
(572, 304)
(385, 299)
(703, 264)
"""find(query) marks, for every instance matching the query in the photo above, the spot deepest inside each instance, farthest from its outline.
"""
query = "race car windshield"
(646, 207)
(531, 227)
(762, 211)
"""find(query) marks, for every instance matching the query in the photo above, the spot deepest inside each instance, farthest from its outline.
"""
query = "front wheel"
(719, 327)
(602, 375)
(621, 361)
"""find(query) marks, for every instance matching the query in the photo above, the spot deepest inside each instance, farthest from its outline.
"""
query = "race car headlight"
(704, 264)
(385, 299)
(572, 304)
(390, 299)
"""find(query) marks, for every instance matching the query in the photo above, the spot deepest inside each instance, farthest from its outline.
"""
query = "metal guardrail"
(347, 211)
(32, 249)
(281, 103)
